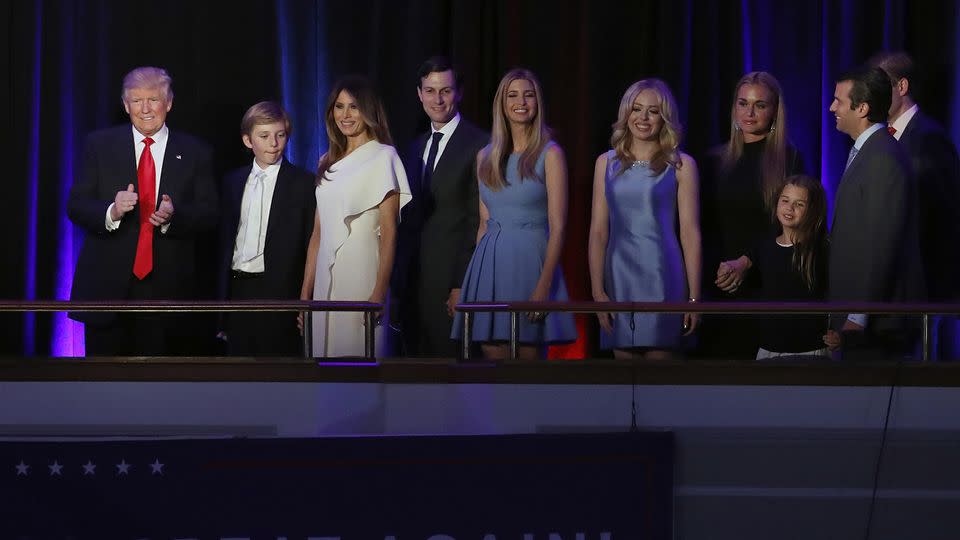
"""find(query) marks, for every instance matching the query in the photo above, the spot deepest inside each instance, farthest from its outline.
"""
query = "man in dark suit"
(936, 172)
(144, 194)
(438, 229)
(267, 212)
(874, 253)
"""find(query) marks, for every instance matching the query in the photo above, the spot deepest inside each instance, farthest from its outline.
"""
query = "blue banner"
(512, 487)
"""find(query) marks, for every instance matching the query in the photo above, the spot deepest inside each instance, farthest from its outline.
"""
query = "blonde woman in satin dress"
(361, 186)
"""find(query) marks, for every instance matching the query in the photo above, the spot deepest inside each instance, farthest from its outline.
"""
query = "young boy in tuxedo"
(266, 217)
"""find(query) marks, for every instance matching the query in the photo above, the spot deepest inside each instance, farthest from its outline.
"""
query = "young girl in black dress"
(792, 268)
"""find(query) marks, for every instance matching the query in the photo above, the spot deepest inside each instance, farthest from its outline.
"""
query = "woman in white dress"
(361, 186)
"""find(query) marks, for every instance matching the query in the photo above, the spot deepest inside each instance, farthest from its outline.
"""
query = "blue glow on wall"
(764, 35)
(33, 185)
(826, 97)
(747, 36)
(66, 338)
(286, 75)
(303, 57)
(839, 45)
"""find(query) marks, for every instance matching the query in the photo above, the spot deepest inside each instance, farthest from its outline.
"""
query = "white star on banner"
(89, 468)
(22, 468)
(123, 467)
(156, 467)
(55, 469)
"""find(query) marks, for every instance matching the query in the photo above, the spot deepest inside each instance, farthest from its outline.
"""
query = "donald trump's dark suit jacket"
(105, 267)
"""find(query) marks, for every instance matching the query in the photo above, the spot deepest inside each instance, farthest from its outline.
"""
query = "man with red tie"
(143, 195)
(936, 174)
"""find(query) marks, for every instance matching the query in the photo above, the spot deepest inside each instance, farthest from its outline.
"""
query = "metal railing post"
(926, 337)
(369, 331)
(467, 334)
(308, 334)
(514, 335)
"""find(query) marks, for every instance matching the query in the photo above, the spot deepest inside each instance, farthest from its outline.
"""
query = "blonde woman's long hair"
(372, 114)
(493, 162)
(773, 168)
(670, 135)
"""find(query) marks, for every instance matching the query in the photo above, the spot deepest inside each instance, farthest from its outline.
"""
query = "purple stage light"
(33, 185)
(304, 102)
(66, 338)
(747, 36)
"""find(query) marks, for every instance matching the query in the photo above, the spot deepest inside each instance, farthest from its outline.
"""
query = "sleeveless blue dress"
(644, 262)
(507, 262)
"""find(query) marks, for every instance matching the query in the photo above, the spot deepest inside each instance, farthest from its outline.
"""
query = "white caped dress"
(349, 252)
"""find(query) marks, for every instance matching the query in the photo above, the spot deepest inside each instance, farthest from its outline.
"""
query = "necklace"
(640, 163)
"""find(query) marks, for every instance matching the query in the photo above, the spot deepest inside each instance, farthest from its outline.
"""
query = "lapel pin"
(179, 156)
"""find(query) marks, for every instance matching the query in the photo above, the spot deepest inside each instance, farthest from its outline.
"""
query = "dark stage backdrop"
(63, 62)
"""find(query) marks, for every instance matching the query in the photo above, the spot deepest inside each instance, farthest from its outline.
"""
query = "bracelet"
(691, 299)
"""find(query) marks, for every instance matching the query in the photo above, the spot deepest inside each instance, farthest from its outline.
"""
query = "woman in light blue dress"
(641, 188)
(523, 212)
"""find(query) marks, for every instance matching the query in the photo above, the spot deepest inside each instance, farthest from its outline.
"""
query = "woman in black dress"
(739, 193)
